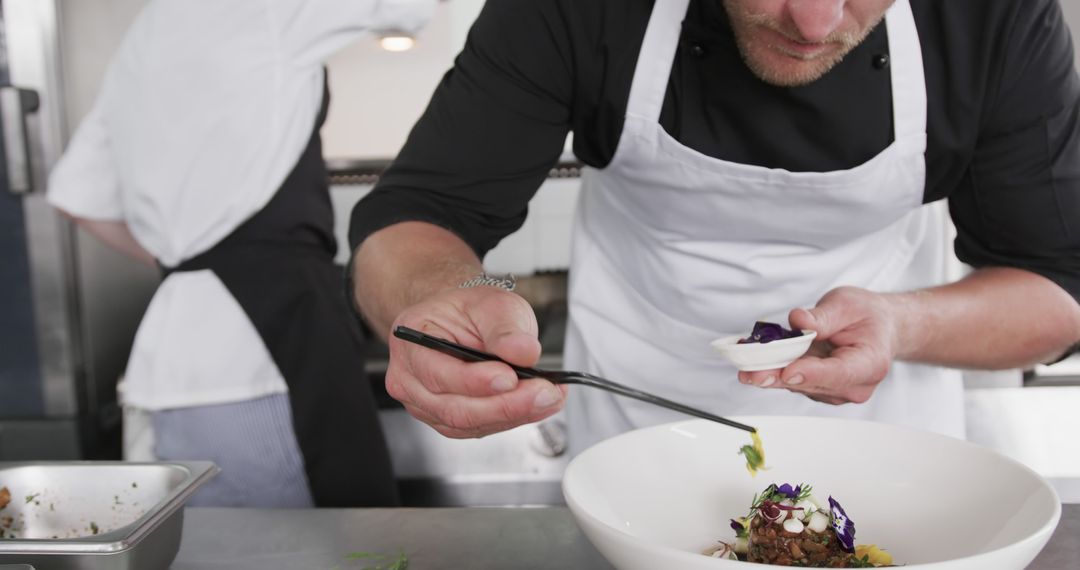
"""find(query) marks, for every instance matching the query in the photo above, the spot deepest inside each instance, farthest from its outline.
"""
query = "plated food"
(789, 526)
(659, 496)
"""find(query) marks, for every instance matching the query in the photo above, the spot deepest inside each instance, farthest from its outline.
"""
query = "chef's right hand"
(471, 399)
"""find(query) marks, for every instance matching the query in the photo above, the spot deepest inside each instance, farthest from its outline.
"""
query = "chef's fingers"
(456, 415)
(826, 400)
(850, 373)
(411, 392)
(487, 319)
(434, 423)
(838, 311)
(506, 324)
(760, 378)
(420, 414)
(805, 319)
(770, 378)
(461, 399)
(463, 416)
(443, 374)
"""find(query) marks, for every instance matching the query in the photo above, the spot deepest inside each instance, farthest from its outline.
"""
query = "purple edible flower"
(788, 492)
(765, 332)
(741, 528)
(842, 525)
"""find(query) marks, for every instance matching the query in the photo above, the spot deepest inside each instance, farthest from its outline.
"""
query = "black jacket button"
(881, 61)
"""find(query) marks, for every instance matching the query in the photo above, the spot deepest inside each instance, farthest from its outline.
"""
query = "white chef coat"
(204, 110)
(673, 249)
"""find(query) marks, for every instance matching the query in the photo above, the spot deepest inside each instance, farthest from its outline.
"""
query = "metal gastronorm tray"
(96, 515)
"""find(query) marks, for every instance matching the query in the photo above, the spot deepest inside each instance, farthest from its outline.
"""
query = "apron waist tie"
(227, 253)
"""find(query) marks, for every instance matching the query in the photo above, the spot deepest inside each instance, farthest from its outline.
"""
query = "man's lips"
(795, 48)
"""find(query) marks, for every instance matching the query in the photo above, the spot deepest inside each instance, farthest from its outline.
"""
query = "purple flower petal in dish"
(741, 527)
(842, 525)
(765, 332)
(788, 492)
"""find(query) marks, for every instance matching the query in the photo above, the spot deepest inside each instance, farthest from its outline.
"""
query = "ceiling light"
(396, 42)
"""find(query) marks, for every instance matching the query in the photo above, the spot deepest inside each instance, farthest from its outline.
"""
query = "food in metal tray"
(39, 507)
(789, 526)
(6, 521)
(97, 515)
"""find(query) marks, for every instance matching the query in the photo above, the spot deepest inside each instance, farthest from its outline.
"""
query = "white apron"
(673, 249)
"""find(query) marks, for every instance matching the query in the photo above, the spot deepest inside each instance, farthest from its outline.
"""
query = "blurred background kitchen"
(69, 306)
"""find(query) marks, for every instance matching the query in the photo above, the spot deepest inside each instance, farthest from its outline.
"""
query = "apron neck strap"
(657, 53)
(906, 68)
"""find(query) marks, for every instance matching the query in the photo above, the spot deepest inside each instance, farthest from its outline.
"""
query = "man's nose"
(816, 19)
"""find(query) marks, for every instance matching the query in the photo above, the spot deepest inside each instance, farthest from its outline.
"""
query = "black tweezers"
(557, 376)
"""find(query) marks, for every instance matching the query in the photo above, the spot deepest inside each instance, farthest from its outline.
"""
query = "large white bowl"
(656, 497)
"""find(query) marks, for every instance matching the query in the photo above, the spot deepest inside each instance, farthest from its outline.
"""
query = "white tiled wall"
(542, 244)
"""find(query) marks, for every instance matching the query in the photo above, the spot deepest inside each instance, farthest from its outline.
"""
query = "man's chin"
(790, 71)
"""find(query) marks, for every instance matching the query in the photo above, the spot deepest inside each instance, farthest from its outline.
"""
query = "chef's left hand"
(855, 346)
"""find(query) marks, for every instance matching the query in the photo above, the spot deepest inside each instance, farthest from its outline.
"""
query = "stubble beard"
(760, 54)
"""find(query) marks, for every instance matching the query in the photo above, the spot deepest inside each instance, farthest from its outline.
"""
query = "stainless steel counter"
(478, 539)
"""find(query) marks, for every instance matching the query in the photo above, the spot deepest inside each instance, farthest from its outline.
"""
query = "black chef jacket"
(1003, 127)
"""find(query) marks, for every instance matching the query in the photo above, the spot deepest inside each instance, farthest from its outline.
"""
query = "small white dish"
(756, 356)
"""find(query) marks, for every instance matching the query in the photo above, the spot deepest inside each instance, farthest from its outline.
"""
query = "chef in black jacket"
(749, 160)
(202, 155)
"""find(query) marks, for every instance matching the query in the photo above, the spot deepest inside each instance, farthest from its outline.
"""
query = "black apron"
(279, 265)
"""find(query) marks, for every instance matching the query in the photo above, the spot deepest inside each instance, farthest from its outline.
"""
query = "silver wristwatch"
(507, 282)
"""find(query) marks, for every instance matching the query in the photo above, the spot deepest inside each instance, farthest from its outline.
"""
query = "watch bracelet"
(507, 282)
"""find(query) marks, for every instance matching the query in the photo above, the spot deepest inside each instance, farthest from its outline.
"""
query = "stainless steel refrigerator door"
(38, 362)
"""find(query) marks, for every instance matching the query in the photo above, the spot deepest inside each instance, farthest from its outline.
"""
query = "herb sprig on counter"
(382, 561)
